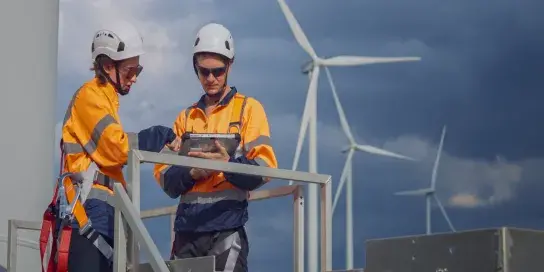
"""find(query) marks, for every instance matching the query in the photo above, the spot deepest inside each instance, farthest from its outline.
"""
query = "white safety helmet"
(120, 40)
(214, 38)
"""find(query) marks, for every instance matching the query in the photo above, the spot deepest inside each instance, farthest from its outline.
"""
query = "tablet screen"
(205, 142)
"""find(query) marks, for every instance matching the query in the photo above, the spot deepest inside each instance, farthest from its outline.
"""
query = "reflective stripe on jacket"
(92, 134)
(220, 201)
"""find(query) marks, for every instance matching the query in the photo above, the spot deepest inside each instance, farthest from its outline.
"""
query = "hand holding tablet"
(209, 143)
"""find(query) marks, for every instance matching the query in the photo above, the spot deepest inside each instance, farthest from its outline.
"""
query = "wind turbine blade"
(437, 160)
(381, 152)
(341, 114)
(357, 60)
(444, 212)
(301, 134)
(296, 29)
(342, 179)
(418, 192)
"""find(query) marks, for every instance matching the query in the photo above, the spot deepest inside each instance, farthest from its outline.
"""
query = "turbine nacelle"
(307, 67)
(346, 149)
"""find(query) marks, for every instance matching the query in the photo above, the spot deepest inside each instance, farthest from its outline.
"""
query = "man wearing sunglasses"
(213, 205)
(95, 144)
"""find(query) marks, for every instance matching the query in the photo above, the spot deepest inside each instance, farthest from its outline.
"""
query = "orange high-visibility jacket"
(92, 134)
(220, 201)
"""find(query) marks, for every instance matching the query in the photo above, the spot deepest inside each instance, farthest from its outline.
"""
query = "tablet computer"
(204, 142)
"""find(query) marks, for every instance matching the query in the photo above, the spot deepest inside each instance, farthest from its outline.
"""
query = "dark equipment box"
(488, 250)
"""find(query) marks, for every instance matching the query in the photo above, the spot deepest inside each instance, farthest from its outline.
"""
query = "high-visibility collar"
(201, 104)
(109, 90)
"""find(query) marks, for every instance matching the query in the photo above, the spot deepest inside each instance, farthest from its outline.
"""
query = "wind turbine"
(309, 119)
(346, 177)
(429, 193)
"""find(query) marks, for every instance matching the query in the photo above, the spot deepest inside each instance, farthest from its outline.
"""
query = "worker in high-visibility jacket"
(213, 205)
(94, 142)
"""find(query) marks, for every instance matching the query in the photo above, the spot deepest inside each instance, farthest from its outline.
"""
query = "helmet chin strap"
(117, 83)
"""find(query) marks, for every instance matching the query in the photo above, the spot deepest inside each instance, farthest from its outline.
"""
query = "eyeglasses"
(216, 72)
(132, 71)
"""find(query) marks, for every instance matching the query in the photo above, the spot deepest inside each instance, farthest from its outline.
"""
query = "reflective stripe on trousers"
(229, 247)
(233, 243)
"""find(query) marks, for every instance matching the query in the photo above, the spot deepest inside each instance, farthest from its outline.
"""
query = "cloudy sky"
(480, 75)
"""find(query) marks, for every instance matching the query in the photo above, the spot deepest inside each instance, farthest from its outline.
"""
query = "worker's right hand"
(200, 174)
(155, 138)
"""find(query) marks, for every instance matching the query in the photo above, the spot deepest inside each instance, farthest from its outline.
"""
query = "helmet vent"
(121, 47)
(227, 45)
(197, 41)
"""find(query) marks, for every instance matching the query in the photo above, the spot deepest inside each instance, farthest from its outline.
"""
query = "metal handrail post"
(326, 226)
(133, 183)
(120, 240)
(298, 230)
(13, 227)
(128, 213)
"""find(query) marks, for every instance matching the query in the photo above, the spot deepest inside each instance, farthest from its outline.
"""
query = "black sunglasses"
(216, 72)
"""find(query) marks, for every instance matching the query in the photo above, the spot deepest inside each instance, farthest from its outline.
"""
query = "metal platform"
(487, 250)
(201, 264)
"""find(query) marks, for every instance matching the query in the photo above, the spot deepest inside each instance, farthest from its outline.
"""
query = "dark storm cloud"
(480, 69)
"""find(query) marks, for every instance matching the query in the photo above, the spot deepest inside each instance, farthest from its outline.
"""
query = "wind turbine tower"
(27, 116)
(309, 119)
(429, 193)
(347, 175)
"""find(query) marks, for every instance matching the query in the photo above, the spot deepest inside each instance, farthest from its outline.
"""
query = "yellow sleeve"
(101, 136)
(256, 135)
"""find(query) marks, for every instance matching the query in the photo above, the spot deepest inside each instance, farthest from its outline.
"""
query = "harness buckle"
(66, 208)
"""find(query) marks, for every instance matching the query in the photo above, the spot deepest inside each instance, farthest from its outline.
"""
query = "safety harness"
(57, 222)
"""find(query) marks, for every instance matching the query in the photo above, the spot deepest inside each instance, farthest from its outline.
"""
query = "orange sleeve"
(256, 136)
(101, 136)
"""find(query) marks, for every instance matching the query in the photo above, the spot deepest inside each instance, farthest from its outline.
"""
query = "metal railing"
(298, 217)
(130, 232)
(13, 228)
(129, 211)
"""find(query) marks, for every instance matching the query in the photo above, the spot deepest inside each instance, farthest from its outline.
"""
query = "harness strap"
(236, 118)
(48, 247)
(55, 246)
(100, 243)
(101, 179)
(64, 248)
(48, 234)
(237, 115)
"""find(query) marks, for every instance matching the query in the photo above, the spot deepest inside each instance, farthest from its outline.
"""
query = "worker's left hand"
(219, 154)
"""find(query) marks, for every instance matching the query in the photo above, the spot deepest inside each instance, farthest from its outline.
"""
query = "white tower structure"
(27, 116)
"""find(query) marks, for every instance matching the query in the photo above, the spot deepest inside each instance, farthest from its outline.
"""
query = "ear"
(229, 64)
(108, 66)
